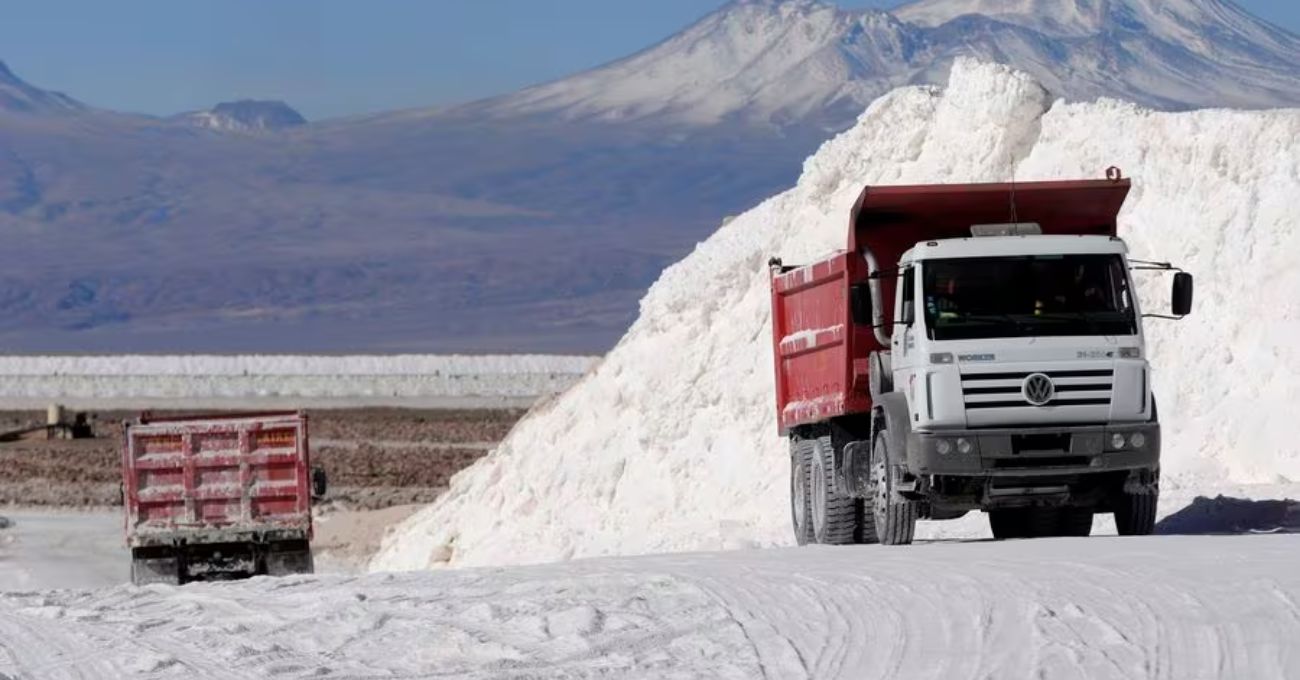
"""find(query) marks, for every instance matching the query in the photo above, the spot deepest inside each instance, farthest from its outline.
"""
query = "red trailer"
(218, 496)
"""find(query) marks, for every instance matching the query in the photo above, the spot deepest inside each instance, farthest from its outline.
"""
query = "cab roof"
(1010, 246)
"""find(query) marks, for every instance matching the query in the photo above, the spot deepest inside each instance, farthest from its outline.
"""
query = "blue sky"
(335, 57)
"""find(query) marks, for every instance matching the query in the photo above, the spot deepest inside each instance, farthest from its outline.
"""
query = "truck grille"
(1003, 390)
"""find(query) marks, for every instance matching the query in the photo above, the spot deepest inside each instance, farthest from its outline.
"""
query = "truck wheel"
(1042, 522)
(1074, 522)
(1135, 513)
(801, 452)
(834, 516)
(289, 557)
(155, 566)
(866, 514)
(1008, 524)
(946, 514)
(894, 517)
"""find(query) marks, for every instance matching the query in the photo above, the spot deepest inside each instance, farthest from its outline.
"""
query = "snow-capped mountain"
(531, 221)
(18, 96)
(246, 115)
(795, 62)
(757, 60)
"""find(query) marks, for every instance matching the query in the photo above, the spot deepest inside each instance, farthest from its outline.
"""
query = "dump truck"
(974, 347)
(218, 496)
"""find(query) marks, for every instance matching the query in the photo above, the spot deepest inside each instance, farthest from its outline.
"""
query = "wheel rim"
(818, 483)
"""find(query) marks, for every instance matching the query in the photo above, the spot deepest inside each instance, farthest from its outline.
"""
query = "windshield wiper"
(1082, 316)
(1007, 318)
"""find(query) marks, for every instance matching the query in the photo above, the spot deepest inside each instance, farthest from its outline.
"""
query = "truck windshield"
(1023, 296)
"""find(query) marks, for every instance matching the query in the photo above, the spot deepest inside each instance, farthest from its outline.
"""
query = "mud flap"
(289, 557)
(155, 565)
(854, 473)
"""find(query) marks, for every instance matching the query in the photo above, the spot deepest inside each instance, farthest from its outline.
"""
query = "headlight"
(943, 446)
(941, 358)
(1138, 440)
(1117, 441)
(963, 446)
(1130, 353)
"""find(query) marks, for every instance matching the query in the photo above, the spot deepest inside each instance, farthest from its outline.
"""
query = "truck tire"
(155, 565)
(1074, 522)
(834, 516)
(1024, 522)
(866, 513)
(801, 452)
(894, 517)
(289, 557)
(1135, 513)
(1008, 523)
(1040, 522)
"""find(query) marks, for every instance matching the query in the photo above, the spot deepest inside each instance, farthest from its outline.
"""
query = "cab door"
(904, 342)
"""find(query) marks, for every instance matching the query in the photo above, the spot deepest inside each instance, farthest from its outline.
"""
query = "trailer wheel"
(1135, 513)
(155, 565)
(289, 557)
(801, 452)
(834, 516)
(894, 516)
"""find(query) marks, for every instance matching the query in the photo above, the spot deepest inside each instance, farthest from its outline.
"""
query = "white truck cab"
(1022, 364)
(947, 361)
(987, 313)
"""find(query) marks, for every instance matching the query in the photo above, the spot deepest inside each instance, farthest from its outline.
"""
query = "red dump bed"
(216, 479)
(821, 356)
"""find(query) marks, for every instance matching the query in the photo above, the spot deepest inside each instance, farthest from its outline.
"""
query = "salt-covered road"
(1103, 607)
(62, 549)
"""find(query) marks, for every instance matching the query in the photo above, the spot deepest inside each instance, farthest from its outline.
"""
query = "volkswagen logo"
(1038, 389)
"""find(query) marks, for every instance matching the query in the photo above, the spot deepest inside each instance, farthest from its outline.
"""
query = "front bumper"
(1035, 451)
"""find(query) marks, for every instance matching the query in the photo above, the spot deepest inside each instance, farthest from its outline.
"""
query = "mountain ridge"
(532, 221)
(19, 96)
(803, 56)
(246, 115)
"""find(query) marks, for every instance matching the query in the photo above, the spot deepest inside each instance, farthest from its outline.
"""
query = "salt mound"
(671, 444)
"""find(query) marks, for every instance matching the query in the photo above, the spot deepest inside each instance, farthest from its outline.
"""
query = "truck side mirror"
(1182, 300)
(860, 303)
(319, 483)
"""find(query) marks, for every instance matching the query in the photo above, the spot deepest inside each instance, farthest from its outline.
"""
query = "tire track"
(1106, 608)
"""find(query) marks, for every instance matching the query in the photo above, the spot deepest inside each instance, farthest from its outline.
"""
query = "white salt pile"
(671, 443)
